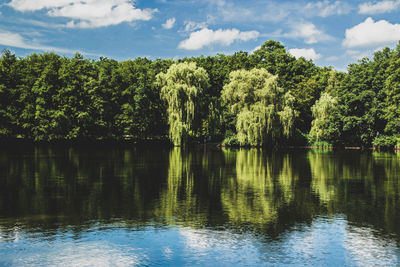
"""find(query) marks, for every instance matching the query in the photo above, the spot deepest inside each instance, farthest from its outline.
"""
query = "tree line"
(265, 98)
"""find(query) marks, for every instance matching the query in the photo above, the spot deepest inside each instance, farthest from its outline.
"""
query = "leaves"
(180, 87)
(267, 97)
(323, 126)
(262, 109)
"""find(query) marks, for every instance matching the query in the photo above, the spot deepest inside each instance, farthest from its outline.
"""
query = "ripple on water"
(326, 241)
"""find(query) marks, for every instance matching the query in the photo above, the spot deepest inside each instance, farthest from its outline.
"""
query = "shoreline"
(5, 142)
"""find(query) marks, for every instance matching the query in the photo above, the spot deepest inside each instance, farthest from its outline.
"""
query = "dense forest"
(265, 98)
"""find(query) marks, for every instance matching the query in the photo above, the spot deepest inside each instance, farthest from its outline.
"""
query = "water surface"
(125, 206)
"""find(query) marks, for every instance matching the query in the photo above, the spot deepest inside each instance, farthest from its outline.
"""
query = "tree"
(47, 123)
(392, 90)
(50, 97)
(181, 86)
(361, 99)
(307, 91)
(262, 110)
(9, 81)
(77, 97)
(218, 68)
(273, 56)
(325, 126)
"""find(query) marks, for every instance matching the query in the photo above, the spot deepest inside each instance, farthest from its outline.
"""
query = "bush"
(231, 140)
(322, 144)
(384, 141)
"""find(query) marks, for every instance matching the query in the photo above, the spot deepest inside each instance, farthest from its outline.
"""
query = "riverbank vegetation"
(265, 98)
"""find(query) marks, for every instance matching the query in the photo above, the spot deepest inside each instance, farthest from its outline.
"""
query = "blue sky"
(332, 33)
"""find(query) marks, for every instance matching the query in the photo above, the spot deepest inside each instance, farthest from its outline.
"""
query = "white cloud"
(87, 13)
(269, 11)
(378, 7)
(169, 24)
(308, 32)
(11, 39)
(276, 11)
(29, 5)
(191, 26)
(370, 33)
(205, 36)
(41, 24)
(256, 48)
(304, 52)
(326, 8)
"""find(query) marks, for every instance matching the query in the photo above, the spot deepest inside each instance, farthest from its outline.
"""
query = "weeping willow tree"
(288, 114)
(180, 88)
(325, 125)
(263, 110)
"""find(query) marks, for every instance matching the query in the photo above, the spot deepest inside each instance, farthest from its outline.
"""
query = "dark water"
(123, 206)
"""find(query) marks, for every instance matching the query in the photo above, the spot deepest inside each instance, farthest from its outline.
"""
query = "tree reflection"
(50, 187)
(67, 185)
(263, 183)
(364, 186)
(178, 201)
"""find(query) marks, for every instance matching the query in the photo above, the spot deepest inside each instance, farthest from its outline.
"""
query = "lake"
(125, 206)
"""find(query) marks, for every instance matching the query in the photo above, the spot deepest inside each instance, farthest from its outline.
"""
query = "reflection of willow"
(262, 185)
(323, 171)
(178, 200)
(286, 178)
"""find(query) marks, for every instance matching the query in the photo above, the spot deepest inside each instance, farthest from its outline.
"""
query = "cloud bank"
(204, 37)
(304, 52)
(309, 32)
(370, 33)
(87, 13)
(12, 39)
(378, 7)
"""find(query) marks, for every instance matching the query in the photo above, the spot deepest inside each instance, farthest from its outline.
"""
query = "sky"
(331, 33)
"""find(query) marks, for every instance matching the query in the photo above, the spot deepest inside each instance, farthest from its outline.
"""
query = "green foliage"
(218, 67)
(9, 81)
(392, 93)
(325, 126)
(231, 139)
(361, 99)
(267, 97)
(384, 141)
(288, 114)
(273, 56)
(261, 108)
(307, 91)
(181, 86)
(141, 110)
(323, 144)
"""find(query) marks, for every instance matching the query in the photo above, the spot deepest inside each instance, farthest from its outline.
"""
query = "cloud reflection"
(69, 253)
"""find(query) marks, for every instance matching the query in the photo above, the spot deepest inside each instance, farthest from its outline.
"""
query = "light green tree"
(325, 126)
(181, 86)
(263, 110)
